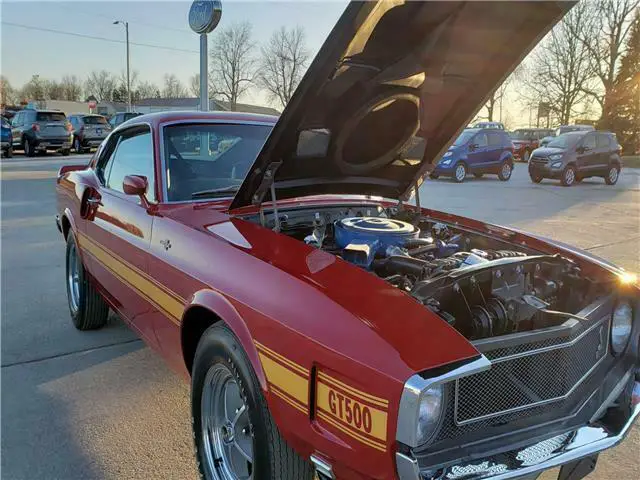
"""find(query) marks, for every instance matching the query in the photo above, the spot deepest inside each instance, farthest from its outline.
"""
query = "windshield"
(50, 117)
(522, 135)
(210, 160)
(464, 137)
(566, 140)
(94, 120)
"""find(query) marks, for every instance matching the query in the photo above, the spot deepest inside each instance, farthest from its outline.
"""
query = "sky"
(25, 52)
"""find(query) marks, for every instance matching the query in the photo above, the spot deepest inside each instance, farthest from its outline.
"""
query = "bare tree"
(35, 89)
(173, 88)
(559, 69)
(232, 62)
(71, 87)
(284, 60)
(146, 90)
(194, 85)
(604, 38)
(53, 90)
(8, 95)
(101, 85)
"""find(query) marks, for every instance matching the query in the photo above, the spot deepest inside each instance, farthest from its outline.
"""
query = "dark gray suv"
(40, 130)
(570, 157)
(88, 131)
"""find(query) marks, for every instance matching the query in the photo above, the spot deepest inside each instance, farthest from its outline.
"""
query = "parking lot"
(102, 405)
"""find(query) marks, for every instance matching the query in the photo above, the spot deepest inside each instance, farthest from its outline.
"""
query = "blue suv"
(477, 151)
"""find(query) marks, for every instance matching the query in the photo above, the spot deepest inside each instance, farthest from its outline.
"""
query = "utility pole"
(126, 29)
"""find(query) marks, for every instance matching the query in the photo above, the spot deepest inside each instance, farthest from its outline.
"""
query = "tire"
(66, 152)
(611, 178)
(77, 146)
(568, 176)
(221, 369)
(88, 309)
(8, 153)
(459, 172)
(506, 169)
(478, 175)
(535, 177)
(29, 149)
(434, 176)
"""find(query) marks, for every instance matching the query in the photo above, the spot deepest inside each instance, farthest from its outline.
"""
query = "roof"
(189, 103)
(169, 116)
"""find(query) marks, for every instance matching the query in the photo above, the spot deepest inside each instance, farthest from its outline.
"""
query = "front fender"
(221, 307)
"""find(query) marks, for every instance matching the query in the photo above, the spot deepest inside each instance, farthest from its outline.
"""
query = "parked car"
(122, 117)
(526, 140)
(40, 130)
(573, 156)
(566, 129)
(477, 151)
(498, 125)
(328, 327)
(5, 138)
(88, 131)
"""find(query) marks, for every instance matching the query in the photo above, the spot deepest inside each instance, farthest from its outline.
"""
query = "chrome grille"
(538, 160)
(525, 379)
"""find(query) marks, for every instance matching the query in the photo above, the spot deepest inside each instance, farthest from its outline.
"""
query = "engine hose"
(403, 265)
(418, 242)
(422, 250)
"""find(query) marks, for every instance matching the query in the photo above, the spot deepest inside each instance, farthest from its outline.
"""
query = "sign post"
(204, 16)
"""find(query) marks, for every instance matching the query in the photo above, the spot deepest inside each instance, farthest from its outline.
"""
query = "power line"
(136, 22)
(92, 37)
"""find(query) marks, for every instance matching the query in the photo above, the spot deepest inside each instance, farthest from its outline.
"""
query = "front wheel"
(460, 172)
(235, 435)
(8, 152)
(568, 176)
(612, 175)
(29, 149)
(65, 152)
(535, 177)
(505, 171)
(88, 309)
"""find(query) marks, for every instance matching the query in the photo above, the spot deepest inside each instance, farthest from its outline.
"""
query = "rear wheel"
(8, 153)
(235, 435)
(459, 172)
(612, 175)
(88, 309)
(29, 148)
(568, 176)
(504, 174)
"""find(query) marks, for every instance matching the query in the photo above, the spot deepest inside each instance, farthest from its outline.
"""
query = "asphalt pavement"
(100, 405)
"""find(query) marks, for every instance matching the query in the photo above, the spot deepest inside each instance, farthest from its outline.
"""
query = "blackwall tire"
(29, 149)
(569, 176)
(506, 169)
(88, 309)
(220, 361)
(611, 178)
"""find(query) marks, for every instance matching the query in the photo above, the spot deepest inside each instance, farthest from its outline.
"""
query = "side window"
(589, 141)
(17, 120)
(602, 141)
(495, 139)
(481, 140)
(133, 155)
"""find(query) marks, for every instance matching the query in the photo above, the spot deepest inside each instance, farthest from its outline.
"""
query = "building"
(152, 105)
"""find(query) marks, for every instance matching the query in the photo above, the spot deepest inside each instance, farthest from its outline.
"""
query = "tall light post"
(126, 29)
(204, 16)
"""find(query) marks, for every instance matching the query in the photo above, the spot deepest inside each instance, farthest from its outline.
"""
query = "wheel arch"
(206, 308)
(506, 156)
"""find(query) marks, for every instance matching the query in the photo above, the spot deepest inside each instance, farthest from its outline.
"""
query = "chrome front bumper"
(531, 460)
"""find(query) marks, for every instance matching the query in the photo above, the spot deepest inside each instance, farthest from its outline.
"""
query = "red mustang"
(327, 327)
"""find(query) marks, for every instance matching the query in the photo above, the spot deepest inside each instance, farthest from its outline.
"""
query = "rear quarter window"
(604, 141)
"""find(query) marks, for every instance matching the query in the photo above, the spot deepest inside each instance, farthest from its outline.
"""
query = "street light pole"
(126, 29)
(204, 71)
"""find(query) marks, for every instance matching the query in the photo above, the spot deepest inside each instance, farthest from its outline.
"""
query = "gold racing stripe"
(326, 418)
(367, 397)
(170, 305)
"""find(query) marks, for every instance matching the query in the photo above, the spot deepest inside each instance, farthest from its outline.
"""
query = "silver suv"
(88, 131)
(40, 130)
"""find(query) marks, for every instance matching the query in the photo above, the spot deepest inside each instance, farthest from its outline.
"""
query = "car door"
(494, 148)
(16, 124)
(119, 232)
(586, 153)
(477, 155)
(604, 149)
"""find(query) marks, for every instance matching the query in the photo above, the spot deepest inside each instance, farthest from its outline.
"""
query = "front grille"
(530, 376)
(539, 160)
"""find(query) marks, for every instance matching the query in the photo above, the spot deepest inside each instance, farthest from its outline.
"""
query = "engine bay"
(484, 286)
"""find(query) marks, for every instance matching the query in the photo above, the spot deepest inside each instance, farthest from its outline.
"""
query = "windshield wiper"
(216, 192)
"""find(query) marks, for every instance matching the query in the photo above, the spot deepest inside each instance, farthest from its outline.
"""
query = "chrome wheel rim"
(506, 170)
(227, 435)
(73, 278)
(570, 176)
(613, 174)
(460, 172)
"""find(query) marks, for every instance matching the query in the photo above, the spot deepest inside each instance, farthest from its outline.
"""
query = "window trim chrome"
(198, 121)
(415, 386)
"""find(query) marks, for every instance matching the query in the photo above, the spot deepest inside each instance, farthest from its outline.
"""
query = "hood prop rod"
(274, 203)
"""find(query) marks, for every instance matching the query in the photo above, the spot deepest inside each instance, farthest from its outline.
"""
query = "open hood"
(389, 90)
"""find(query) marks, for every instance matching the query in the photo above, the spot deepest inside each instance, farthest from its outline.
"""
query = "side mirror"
(582, 149)
(473, 146)
(136, 185)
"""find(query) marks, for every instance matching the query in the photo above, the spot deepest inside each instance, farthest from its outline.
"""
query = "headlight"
(556, 164)
(447, 154)
(445, 162)
(555, 156)
(429, 413)
(621, 327)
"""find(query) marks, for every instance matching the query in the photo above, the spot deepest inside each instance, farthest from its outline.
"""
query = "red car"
(327, 327)
(526, 140)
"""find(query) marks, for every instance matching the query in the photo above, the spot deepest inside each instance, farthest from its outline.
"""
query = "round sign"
(93, 104)
(204, 15)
